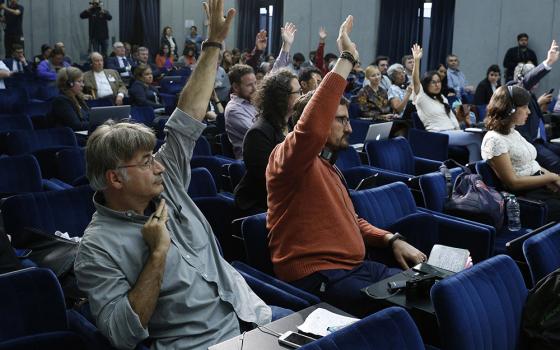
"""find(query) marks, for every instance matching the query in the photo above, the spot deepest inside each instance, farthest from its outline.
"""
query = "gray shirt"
(239, 115)
(201, 296)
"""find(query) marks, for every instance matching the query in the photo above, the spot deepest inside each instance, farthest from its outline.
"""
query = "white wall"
(484, 30)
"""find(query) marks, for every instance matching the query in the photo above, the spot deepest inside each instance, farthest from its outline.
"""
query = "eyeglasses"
(435, 82)
(148, 164)
(299, 92)
(344, 120)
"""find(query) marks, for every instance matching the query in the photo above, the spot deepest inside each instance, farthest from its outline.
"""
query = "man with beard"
(518, 54)
(316, 240)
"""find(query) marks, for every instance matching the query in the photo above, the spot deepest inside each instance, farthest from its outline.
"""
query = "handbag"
(470, 198)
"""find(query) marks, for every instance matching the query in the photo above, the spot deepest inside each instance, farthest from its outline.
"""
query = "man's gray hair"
(111, 145)
(521, 70)
(396, 67)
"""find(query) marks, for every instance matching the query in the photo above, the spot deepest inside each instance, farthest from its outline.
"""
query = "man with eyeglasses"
(148, 260)
(120, 62)
(317, 242)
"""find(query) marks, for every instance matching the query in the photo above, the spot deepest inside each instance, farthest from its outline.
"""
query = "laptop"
(376, 132)
(99, 115)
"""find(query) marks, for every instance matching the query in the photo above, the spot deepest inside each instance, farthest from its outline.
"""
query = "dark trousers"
(9, 40)
(99, 45)
(551, 199)
(342, 288)
(548, 155)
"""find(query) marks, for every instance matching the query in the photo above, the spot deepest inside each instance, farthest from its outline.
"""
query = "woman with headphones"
(69, 108)
(512, 158)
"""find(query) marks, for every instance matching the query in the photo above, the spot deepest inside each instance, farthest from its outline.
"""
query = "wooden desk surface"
(257, 339)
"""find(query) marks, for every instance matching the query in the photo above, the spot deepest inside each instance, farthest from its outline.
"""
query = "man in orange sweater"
(317, 241)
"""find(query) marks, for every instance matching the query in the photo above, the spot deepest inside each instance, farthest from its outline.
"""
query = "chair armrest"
(461, 233)
(310, 298)
(424, 165)
(354, 175)
(55, 185)
(533, 213)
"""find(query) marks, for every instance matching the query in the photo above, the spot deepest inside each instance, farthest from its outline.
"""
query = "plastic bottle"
(472, 119)
(513, 214)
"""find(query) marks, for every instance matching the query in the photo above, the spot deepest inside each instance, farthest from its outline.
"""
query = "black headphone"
(69, 83)
(510, 93)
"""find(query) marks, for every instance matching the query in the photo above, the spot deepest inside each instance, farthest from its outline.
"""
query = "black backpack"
(470, 198)
(541, 317)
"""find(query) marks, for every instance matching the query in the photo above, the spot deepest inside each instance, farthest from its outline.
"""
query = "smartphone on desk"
(294, 340)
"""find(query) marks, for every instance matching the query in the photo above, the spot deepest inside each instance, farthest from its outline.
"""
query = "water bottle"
(513, 214)
(472, 119)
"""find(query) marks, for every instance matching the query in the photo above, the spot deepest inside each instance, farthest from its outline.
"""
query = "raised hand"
(218, 25)
(343, 41)
(322, 34)
(553, 53)
(261, 40)
(416, 51)
(288, 33)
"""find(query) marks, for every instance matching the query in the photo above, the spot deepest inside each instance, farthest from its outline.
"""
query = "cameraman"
(98, 29)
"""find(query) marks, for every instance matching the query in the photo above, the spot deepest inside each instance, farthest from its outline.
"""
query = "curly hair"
(272, 97)
(501, 108)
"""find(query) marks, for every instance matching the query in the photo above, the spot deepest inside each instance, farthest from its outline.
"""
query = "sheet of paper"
(323, 322)
(448, 258)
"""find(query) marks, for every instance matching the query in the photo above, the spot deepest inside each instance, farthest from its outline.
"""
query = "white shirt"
(103, 86)
(3, 67)
(432, 113)
(171, 44)
(523, 155)
(122, 64)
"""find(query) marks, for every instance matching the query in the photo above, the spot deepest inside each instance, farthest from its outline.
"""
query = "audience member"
(235, 55)
(195, 39)
(518, 54)
(4, 73)
(240, 113)
(399, 93)
(17, 63)
(103, 83)
(120, 62)
(442, 72)
(13, 29)
(188, 59)
(434, 110)
(149, 260)
(528, 76)
(297, 61)
(164, 58)
(60, 45)
(168, 39)
(487, 86)
(512, 158)
(48, 69)
(309, 79)
(322, 63)
(455, 78)
(227, 60)
(141, 92)
(255, 57)
(316, 240)
(382, 62)
(310, 63)
(143, 58)
(408, 64)
(69, 109)
(98, 27)
(44, 55)
(128, 51)
(222, 85)
(372, 98)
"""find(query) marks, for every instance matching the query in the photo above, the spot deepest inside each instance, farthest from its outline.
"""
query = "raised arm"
(536, 74)
(261, 41)
(417, 54)
(196, 94)
(319, 55)
(288, 34)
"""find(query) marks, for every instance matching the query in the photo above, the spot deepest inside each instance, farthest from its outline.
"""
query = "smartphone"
(294, 340)
(550, 91)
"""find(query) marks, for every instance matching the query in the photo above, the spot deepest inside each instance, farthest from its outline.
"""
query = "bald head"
(96, 61)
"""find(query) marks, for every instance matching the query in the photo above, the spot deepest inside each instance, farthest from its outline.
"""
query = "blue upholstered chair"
(100, 102)
(31, 141)
(235, 171)
(350, 165)
(70, 165)
(203, 158)
(172, 84)
(429, 145)
(359, 130)
(15, 122)
(33, 312)
(388, 329)
(542, 253)
(225, 145)
(66, 211)
(395, 155)
(142, 114)
(481, 307)
(13, 100)
(392, 207)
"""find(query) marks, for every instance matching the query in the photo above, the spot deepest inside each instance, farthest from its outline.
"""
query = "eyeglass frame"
(149, 164)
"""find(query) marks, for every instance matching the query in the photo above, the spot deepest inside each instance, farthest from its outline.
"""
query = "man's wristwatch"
(394, 238)
(207, 43)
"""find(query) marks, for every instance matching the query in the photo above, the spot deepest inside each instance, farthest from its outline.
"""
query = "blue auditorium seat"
(542, 253)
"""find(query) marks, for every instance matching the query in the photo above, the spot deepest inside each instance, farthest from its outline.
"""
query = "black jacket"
(259, 142)
(64, 113)
(514, 56)
(142, 95)
(98, 18)
(484, 92)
